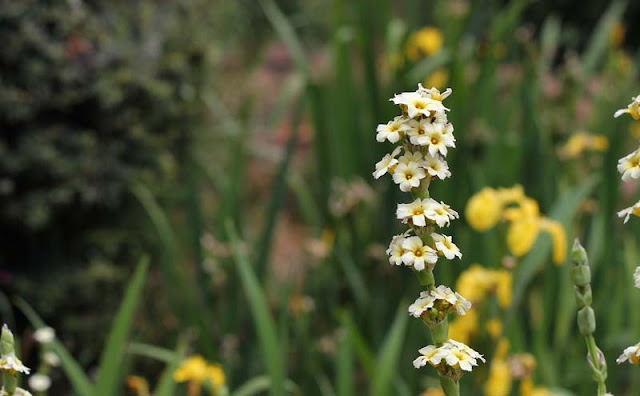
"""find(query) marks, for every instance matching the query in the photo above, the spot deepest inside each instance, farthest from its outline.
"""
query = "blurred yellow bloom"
(464, 327)
(500, 378)
(511, 195)
(433, 392)
(426, 41)
(494, 327)
(138, 385)
(437, 79)
(580, 142)
(521, 235)
(527, 388)
(558, 238)
(484, 209)
(476, 282)
(197, 370)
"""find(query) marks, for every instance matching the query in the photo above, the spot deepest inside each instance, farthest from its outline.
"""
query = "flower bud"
(578, 254)
(580, 275)
(6, 341)
(586, 321)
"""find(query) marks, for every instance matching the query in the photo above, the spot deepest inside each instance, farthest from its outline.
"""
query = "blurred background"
(232, 143)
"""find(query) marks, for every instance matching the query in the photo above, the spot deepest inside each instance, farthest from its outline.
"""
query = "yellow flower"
(558, 238)
(464, 327)
(437, 79)
(433, 392)
(499, 381)
(494, 328)
(513, 194)
(503, 281)
(580, 142)
(484, 209)
(197, 370)
(521, 235)
(426, 41)
(138, 385)
(527, 388)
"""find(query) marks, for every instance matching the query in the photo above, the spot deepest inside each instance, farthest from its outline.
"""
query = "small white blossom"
(636, 277)
(422, 303)
(460, 355)
(395, 250)
(631, 210)
(441, 213)
(387, 164)
(633, 109)
(410, 157)
(12, 364)
(434, 93)
(429, 354)
(632, 354)
(629, 166)
(413, 211)
(444, 293)
(44, 335)
(393, 130)
(417, 105)
(437, 136)
(436, 166)
(17, 392)
(417, 254)
(408, 175)
(462, 305)
(39, 382)
(445, 245)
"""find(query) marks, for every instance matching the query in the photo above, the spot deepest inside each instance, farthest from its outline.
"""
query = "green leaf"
(258, 385)
(271, 352)
(109, 371)
(78, 379)
(166, 385)
(599, 41)
(389, 356)
(152, 351)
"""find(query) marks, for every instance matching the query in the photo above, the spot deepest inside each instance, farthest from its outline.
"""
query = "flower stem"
(449, 386)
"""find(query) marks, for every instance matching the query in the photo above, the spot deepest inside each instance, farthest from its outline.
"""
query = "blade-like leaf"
(166, 385)
(78, 379)
(271, 352)
(110, 362)
(387, 360)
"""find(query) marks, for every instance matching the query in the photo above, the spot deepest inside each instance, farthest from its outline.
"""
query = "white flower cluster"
(18, 392)
(452, 353)
(629, 165)
(443, 299)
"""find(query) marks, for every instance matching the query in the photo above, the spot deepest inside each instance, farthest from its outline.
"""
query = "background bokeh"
(164, 128)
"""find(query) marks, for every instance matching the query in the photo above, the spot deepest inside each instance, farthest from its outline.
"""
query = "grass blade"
(78, 379)
(265, 325)
(110, 361)
(387, 360)
(166, 385)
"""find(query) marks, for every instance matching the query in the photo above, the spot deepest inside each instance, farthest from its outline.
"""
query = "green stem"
(426, 279)
(449, 386)
(597, 366)
(440, 332)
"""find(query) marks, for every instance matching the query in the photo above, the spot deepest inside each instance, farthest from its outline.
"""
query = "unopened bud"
(586, 321)
(578, 254)
(6, 341)
(580, 275)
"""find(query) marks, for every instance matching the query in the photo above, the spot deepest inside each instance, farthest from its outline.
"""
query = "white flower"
(636, 277)
(18, 392)
(442, 292)
(422, 303)
(633, 109)
(437, 136)
(631, 210)
(44, 335)
(629, 166)
(12, 364)
(632, 354)
(445, 245)
(460, 355)
(441, 213)
(387, 164)
(395, 250)
(434, 93)
(410, 157)
(416, 104)
(429, 354)
(413, 211)
(417, 254)
(39, 382)
(408, 175)
(462, 305)
(51, 359)
(436, 166)
(393, 130)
